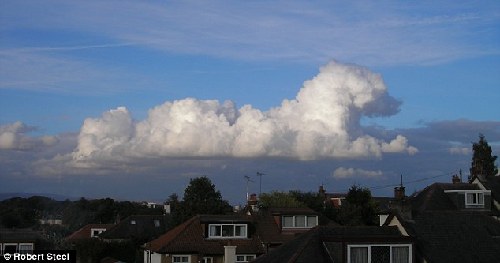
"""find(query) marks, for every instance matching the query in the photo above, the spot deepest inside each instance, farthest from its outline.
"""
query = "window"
(379, 254)
(244, 258)
(227, 230)
(181, 258)
(9, 248)
(208, 260)
(25, 248)
(299, 221)
(96, 231)
(474, 199)
(157, 223)
(132, 222)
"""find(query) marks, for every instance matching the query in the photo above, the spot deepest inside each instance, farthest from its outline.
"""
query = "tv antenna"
(248, 180)
(259, 174)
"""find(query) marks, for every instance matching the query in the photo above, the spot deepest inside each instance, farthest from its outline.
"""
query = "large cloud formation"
(323, 121)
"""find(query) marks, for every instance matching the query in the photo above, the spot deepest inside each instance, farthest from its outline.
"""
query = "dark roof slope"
(313, 246)
(492, 183)
(18, 235)
(138, 227)
(433, 197)
(84, 232)
(304, 248)
(456, 236)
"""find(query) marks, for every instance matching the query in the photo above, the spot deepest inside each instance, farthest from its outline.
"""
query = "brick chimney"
(399, 191)
(322, 190)
(252, 203)
(455, 179)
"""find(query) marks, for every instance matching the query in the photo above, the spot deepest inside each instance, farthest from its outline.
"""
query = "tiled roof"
(453, 236)
(314, 246)
(138, 227)
(270, 232)
(493, 183)
(189, 238)
(433, 197)
(18, 235)
(85, 231)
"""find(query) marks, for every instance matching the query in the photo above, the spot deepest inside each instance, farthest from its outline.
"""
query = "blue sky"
(133, 94)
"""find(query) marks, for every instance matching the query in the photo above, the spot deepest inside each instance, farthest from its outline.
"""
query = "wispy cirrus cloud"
(39, 69)
(362, 32)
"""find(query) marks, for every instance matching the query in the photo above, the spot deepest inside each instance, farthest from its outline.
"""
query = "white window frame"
(208, 258)
(181, 256)
(99, 230)
(245, 234)
(246, 256)
(25, 251)
(10, 244)
(480, 201)
(295, 221)
(478, 197)
(369, 246)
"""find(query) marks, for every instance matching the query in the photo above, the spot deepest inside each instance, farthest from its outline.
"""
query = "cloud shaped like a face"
(323, 121)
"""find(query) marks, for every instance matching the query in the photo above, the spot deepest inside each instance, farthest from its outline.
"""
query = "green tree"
(279, 199)
(359, 208)
(483, 162)
(200, 197)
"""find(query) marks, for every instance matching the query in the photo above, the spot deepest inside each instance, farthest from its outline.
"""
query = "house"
(276, 226)
(452, 197)
(451, 222)
(137, 228)
(165, 207)
(117, 242)
(230, 238)
(18, 240)
(345, 244)
(50, 221)
(208, 239)
(89, 231)
(491, 183)
(334, 199)
(455, 236)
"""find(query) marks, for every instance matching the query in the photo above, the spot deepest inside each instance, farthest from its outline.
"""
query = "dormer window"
(94, 232)
(227, 230)
(474, 199)
(299, 221)
(470, 198)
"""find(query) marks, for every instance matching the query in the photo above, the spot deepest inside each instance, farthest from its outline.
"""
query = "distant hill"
(5, 196)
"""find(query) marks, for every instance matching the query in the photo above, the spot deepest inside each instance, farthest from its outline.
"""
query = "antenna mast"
(248, 180)
(260, 182)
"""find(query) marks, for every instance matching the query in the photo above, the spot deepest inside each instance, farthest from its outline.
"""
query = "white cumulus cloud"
(13, 137)
(323, 121)
(341, 173)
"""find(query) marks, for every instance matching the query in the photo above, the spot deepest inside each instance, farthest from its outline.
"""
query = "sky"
(132, 99)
